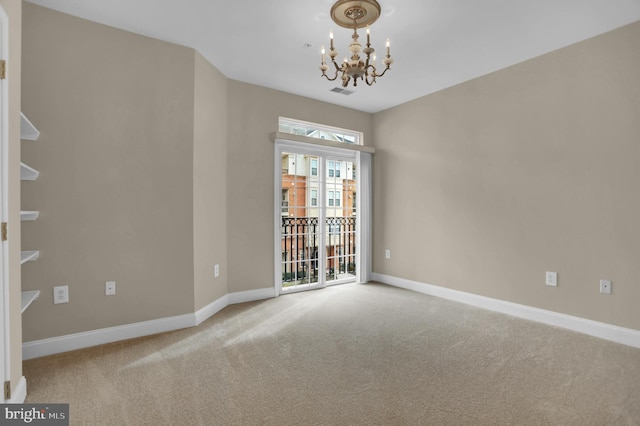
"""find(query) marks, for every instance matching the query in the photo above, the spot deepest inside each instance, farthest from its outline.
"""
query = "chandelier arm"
(338, 70)
(383, 72)
(371, 75)
(328, 78)
(335, 64)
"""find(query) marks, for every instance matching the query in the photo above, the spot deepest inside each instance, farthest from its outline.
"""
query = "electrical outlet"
(60, 294)
(605, 286)
(216, 271)
(552, 279)
(387, 254)
(110, 288)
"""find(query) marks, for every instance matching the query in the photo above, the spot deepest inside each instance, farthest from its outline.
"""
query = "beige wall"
(115, 193)
(253, 113)
(13, 9)
(485, 186)
(209, 182)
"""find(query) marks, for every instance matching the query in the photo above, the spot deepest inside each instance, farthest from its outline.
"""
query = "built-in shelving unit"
(28, 132)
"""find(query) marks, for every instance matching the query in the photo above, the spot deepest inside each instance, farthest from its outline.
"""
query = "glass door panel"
(300, 225)
(340, 229)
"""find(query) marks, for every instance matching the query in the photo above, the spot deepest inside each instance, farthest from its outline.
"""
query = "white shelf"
(28, 256)
(28, 131)
(28, 297)
(28, 215)
(28, 173)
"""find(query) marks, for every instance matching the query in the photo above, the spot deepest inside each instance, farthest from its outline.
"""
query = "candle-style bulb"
(331, 38)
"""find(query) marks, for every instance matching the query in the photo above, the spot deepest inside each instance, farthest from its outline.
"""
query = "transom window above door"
(318, 131)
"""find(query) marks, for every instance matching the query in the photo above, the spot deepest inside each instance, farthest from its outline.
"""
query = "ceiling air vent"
(342, 91)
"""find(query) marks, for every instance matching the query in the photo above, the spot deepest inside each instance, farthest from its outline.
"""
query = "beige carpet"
(348, 355)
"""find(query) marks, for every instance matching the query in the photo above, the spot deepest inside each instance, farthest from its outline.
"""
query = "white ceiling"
(435, 43)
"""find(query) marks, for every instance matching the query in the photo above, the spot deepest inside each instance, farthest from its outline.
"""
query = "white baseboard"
(70, 342)
(19, 393)
(232, 299)
(625, 336)
(251, 295)
(211, 309)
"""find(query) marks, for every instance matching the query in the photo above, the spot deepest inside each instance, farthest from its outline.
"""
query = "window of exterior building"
(285, 202)
(333, 168)
(334, 198)
(353, 203)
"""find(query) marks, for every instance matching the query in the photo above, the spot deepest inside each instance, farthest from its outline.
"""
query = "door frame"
(363, 163)
(5, 361)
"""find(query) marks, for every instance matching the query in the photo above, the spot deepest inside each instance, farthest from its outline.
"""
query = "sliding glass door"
(317, 235)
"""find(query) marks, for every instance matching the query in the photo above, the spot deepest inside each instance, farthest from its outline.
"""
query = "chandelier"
(355, 14)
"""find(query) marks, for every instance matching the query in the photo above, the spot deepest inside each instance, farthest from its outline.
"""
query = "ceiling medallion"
(355, 14)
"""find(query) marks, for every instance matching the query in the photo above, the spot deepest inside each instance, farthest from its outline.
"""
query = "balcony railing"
(301, 240)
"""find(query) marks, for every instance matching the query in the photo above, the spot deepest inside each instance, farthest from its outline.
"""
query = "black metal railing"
(301, 239)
